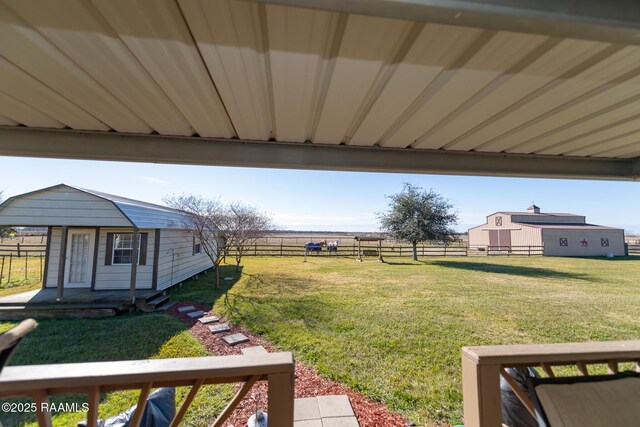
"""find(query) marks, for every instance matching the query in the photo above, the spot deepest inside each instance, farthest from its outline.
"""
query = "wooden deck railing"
(42, 381)
(483, 366)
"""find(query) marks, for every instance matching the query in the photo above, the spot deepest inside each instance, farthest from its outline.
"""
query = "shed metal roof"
(138, 213)
(445, 86)
(569, 226)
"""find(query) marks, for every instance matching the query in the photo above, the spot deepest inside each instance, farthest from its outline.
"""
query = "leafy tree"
(416, 215)
(246, 225)
(206, 219)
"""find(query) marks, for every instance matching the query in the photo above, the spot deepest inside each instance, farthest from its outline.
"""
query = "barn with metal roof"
(553, 234)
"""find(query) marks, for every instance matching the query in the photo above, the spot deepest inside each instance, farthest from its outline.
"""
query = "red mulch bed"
(308, 382)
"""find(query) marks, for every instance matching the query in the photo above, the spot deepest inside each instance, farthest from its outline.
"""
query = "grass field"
(394, 331)
(26, 274)
(126, 337)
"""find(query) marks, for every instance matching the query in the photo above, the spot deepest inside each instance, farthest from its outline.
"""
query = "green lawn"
(25, 275)
(394, 331)
(126, 337)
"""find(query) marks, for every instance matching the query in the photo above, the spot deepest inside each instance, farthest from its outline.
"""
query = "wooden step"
(165, 306)
(153, 296)
(148, 306)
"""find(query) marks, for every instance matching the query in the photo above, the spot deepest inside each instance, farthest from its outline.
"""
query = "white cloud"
(154, 180)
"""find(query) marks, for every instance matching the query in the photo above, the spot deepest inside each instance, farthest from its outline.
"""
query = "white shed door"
(79, 259)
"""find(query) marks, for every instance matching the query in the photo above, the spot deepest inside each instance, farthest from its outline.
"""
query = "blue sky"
(315, 200)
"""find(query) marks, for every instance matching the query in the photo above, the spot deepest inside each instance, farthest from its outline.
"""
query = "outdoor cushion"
(158, 412)
(590, 401)
(514, 413)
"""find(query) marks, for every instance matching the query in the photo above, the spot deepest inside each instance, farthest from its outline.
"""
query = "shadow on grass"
(512, 270)
(124, 337)
(202, 290)
(414, 263)
(635, 258)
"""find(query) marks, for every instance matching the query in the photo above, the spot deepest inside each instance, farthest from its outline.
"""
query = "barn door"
(505, 238)
(494, 240)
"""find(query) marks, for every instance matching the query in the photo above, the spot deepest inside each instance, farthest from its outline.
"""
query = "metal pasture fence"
(350, 250)
(21, 263)
(633, 249)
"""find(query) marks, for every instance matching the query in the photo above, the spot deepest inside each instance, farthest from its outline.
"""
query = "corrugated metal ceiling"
(233, 69)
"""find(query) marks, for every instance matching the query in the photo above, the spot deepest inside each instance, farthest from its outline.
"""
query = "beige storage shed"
(91, 235)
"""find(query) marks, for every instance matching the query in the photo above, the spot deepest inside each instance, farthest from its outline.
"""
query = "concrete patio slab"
(308, 423)
(306, 409)
(254, 350)
(335, 406)
(324, 411)
(340, 422)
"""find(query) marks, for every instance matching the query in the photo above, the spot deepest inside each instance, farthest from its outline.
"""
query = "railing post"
(281, 397)
(481, 394)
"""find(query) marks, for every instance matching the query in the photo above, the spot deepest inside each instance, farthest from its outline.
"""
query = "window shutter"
(193, 246)
(144, 238)
(108, 255)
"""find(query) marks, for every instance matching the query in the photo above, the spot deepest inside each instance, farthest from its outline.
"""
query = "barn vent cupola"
(533, 209)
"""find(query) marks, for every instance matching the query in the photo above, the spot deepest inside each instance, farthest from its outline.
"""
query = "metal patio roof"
(515, 88)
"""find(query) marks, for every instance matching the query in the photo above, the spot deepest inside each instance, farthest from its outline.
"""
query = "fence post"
(2, 270)
(529, 250)
(280, 248)
(445, 249)
(10, 262)
(26, 265)
(40, 272)
(18, 250)
(255, 249)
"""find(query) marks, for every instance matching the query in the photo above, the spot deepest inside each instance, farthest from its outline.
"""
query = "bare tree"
(245, 226)
(206, 219)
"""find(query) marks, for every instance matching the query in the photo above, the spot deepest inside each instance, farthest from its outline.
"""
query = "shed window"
(197, 248)
(604, 242)
(564, 241)
(123, 248)
(498, 221)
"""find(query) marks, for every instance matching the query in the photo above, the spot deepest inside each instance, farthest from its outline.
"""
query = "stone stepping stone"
(254, 350)
(208, 319)
(195, 314)
(223, 327)
(183, 309)
(235, 339)
(228, 278)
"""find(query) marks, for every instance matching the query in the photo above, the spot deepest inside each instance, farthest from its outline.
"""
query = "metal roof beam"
(603, 20)
(635, 169)
(28, 142)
